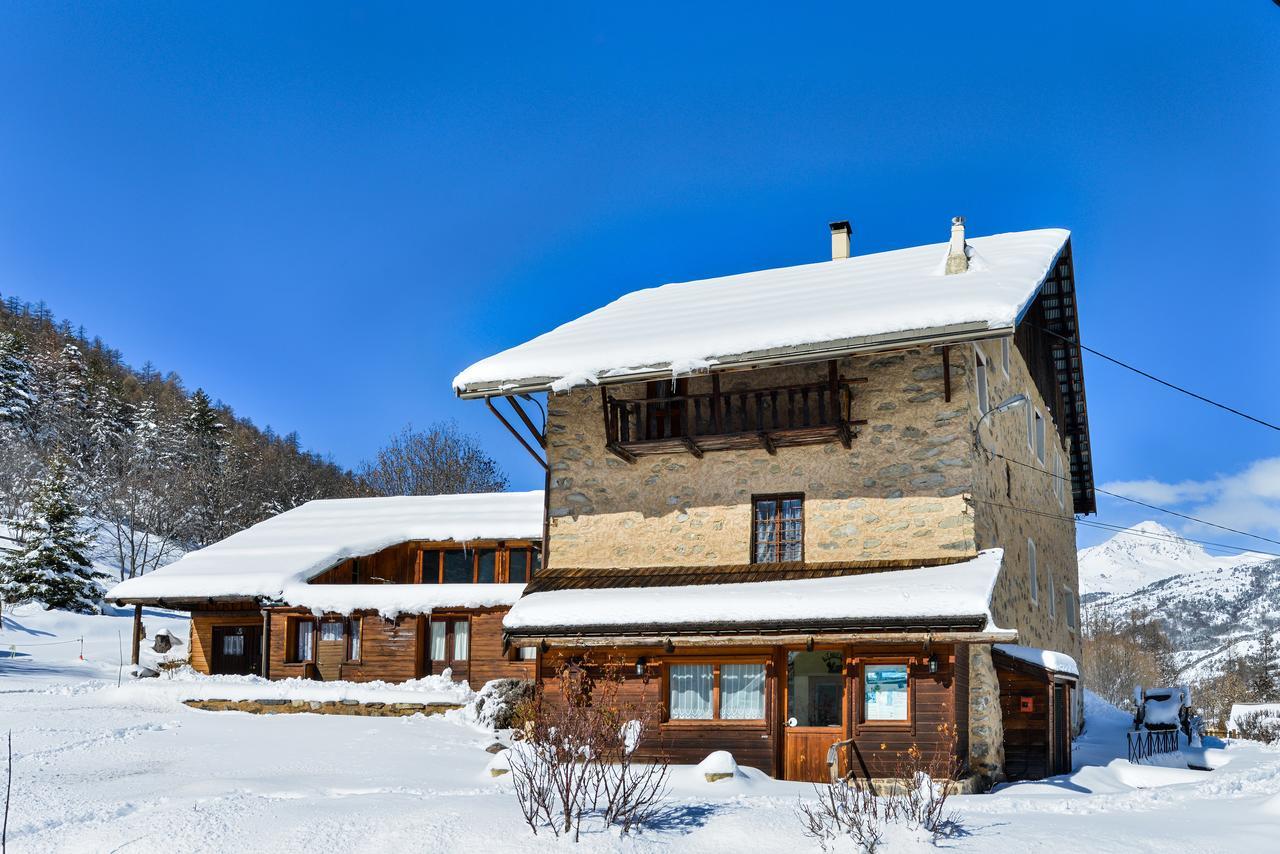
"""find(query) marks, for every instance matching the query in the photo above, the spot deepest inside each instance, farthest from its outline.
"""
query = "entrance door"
(331, 650)
(815, 713)
(237, 650)
(449, 646)
(1061, 730)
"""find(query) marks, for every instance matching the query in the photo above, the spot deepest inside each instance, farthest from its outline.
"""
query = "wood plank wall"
(1026, 734)
(202, 625)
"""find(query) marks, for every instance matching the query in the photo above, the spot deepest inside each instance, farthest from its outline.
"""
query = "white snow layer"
(1058, 662)
(1242, 710)
(679, 326)
(955, 590)
(274, 559)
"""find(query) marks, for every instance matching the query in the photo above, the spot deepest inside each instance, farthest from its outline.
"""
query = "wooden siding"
(396, 651)
(202, 625)
(934, 697)
(1026, 734)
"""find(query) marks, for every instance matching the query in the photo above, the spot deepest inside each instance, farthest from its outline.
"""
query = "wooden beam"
(946, 373)
(137, 634)
(693, 447)
(528, 423)
(514, 432)
(767, 443)
(620, 452)
(684, 641)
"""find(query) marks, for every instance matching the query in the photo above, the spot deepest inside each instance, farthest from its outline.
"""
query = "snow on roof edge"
(1058, 662)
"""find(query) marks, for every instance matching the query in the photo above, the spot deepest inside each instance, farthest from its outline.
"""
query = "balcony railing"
(802, 414)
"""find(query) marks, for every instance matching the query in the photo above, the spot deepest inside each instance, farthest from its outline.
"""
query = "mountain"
(1143, 555)
(1212, 607)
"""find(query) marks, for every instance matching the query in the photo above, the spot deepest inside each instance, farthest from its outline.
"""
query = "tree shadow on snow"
(10, 624)
(685, 817)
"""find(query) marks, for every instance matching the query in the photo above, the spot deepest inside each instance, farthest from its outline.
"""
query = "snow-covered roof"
(1058, 662)
(955, 591)
(867, 300)
(274, 559)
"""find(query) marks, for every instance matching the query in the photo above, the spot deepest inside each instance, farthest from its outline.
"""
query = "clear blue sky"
(321, 213)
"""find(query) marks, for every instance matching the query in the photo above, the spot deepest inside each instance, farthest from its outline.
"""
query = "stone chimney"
(957, 258)
(839, 240)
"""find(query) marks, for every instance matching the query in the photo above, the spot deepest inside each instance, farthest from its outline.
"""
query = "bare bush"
(860, 810)
(578, 757)
(1260, 726)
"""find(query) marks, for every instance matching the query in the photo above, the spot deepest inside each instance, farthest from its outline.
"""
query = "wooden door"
(1061, 730)
(814, 719)
(449, 646)
(237, 650)
(331, 650)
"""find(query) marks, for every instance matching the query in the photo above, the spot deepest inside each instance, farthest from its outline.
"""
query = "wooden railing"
(792, 414)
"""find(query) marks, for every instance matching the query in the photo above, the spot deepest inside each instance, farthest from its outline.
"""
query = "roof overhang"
(798, 354)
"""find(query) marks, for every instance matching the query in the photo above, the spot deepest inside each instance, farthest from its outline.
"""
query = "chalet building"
(358, 589)
(830, 503)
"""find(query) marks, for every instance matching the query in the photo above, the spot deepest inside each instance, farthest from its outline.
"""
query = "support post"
(265, 667)
(946, 373)
(137, 634)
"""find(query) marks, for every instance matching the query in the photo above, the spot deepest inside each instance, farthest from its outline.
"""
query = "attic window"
(778, 528)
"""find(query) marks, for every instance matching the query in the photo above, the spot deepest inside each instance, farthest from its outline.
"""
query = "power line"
(1166, 383)
(1119, 529)
(1056, 476)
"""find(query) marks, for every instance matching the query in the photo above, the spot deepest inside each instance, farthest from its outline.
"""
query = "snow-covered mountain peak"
(1142, 554)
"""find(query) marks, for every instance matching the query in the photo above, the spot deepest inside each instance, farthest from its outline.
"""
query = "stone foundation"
(325, 707)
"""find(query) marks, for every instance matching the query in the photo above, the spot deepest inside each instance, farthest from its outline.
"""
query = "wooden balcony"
(769, 418)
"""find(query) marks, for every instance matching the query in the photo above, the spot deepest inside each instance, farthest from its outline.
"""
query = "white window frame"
(1005, 347)
(1040, 437)
(1031, 426)
(982, 381)
(1059, 480)
(1033, 575)
(1069, 603)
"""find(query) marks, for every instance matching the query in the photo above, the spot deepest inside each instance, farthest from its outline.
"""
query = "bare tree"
(436, 461)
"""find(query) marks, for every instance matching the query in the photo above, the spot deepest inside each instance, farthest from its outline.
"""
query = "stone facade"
(912, 486)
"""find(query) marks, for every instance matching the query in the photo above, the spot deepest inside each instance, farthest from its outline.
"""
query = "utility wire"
(1154, 378)
(1056, 476)
(1120, 529)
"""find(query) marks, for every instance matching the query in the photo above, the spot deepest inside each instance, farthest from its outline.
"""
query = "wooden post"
(137, 634)
(265, 668)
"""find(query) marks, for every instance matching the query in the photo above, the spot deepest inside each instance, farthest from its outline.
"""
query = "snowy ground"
(98, 768)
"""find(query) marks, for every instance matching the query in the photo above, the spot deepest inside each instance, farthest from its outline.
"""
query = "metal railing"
(1144, 744)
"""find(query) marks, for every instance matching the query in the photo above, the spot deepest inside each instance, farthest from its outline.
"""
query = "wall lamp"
(641, 664)
(1011, 403)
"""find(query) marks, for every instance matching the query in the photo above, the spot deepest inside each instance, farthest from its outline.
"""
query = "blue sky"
(321, 213)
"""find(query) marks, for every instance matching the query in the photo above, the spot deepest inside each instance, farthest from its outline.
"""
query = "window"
(355, 628)
(884, 692)
(984, 398)
(778, 530)
(302, 640)
(331, 630)
(1032, 577)
(518, 566)
(1004, 355)
(486, 566)
(449, 639)
(526, 653)
(1059, 480)
(1053, 595)
(458, 567)
(233, 644)
(815, 688)
(1031, 425)
(1069, 605)
(716, 691)
(1039, 437)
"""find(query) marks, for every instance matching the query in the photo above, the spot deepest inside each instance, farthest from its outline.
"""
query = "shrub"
(498, 703)
(1259, 726)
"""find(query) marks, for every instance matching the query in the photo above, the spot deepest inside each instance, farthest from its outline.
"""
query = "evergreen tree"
(1262, 686)
(17, 382)
(49, 564)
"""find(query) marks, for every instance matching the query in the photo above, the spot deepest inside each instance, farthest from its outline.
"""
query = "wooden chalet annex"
(358, 589)
(821, 504)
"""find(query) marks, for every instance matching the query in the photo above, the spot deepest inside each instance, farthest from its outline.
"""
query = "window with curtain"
(778, 528)
(233, 644)
(303, 649)
(691, 689)
(439, 631)
(884, 688)
(331, 630)
(742, 692)
(527, 653)
(461, 639)
(355, 628)
(716, 691)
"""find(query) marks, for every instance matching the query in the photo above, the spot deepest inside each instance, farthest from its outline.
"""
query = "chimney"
(839, 240)
(957, 259)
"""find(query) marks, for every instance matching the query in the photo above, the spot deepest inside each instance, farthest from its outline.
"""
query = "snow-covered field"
(98, 768)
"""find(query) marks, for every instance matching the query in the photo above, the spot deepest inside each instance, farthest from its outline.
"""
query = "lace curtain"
(691, 686)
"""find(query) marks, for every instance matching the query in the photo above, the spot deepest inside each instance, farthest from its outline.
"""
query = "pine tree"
(17, 382)
(49, 564)
(1262, 666)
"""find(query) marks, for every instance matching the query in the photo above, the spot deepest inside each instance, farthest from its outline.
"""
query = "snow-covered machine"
(1159, 714)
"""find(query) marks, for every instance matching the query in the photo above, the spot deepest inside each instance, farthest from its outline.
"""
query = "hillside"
(1213, 608)
(158, 468)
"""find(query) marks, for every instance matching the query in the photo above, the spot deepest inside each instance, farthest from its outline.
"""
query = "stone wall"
(898, 493)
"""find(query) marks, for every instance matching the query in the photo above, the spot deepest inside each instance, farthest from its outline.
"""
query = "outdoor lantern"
(933, 664)
(640, 665)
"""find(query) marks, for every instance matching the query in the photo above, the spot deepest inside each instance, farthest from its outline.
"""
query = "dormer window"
(778, 528)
